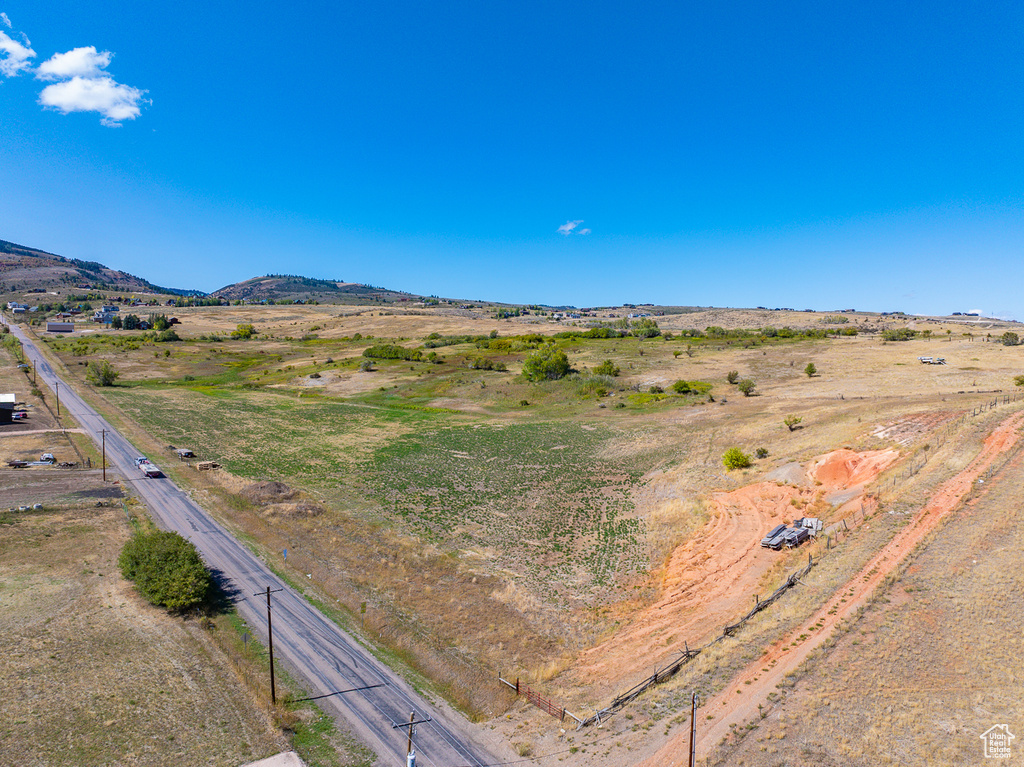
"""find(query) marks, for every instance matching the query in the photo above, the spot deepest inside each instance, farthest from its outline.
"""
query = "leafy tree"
(101, 373)
(746, 386)
(792, 421)
(607, 368)
(159, 321)
(1009, 338)
(546, 363)
(734, 458)
(244, 331)
(811, 370)
(115, 322)
(732, 376)
(166, 570)
(131, 322)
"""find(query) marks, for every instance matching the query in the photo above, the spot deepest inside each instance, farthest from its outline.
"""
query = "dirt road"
(728, 708)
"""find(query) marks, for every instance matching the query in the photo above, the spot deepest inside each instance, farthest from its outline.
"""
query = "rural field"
(92, 674)
(576, 532)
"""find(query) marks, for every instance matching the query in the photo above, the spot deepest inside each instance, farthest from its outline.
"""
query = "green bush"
(1009, 338)
(607, 368)
(244, 331)
(166, 570)
(898, 334)
(101, 373)
(547, 363)
(732, 376)
(392, 352)
(746, 386)
(165, 336)
(734, 458)
(810, 370)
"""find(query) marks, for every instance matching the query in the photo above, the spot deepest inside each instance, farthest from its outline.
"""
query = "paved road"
(326, 658)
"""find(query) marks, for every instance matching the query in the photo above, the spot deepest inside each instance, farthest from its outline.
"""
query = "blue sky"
(846, 155)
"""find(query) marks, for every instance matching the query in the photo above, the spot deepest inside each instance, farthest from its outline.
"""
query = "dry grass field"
(93, 675)
(548, 517)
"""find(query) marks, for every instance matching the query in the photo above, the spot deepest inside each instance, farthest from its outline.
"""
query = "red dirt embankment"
(760, 678)
(708, 581)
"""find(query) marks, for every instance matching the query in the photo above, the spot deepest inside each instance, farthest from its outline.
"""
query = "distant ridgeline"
(25, 268)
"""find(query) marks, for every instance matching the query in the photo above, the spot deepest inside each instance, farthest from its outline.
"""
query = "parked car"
(19, 415)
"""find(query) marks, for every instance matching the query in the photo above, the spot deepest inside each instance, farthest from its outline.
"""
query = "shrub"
(761, 452)
(1009, 338)
(732, 376)
(101, 373)
(392, 352)
(681, 387)
(547, 363)
(598, 385)
(791, 421)
(734, 458)
(165, 336)
(898, 334)
(607, 368)
(810, 370)
(366, 366)
(483, 363)
(746, 386)
(1018, 380)
(166, 570)
(655, 390)
(244, 331)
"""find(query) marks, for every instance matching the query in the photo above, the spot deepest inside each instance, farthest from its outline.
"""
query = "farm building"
(7, 407)
(60, 327)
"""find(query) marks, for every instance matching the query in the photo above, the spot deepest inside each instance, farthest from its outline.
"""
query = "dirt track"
(760, 678)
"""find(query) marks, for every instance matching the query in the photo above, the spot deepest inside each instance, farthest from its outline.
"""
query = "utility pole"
(410, 754)
(103, 433)
(270, 640)
(693, 729)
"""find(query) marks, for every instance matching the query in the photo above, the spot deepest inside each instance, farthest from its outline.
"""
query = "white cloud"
(5, 20)
(568, 226)
(80, 62)
(114, 101)
(13, 55)
(584, 232)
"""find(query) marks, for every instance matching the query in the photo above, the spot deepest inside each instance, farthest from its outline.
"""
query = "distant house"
(60, 327)
(19, 310)
(108, 309)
